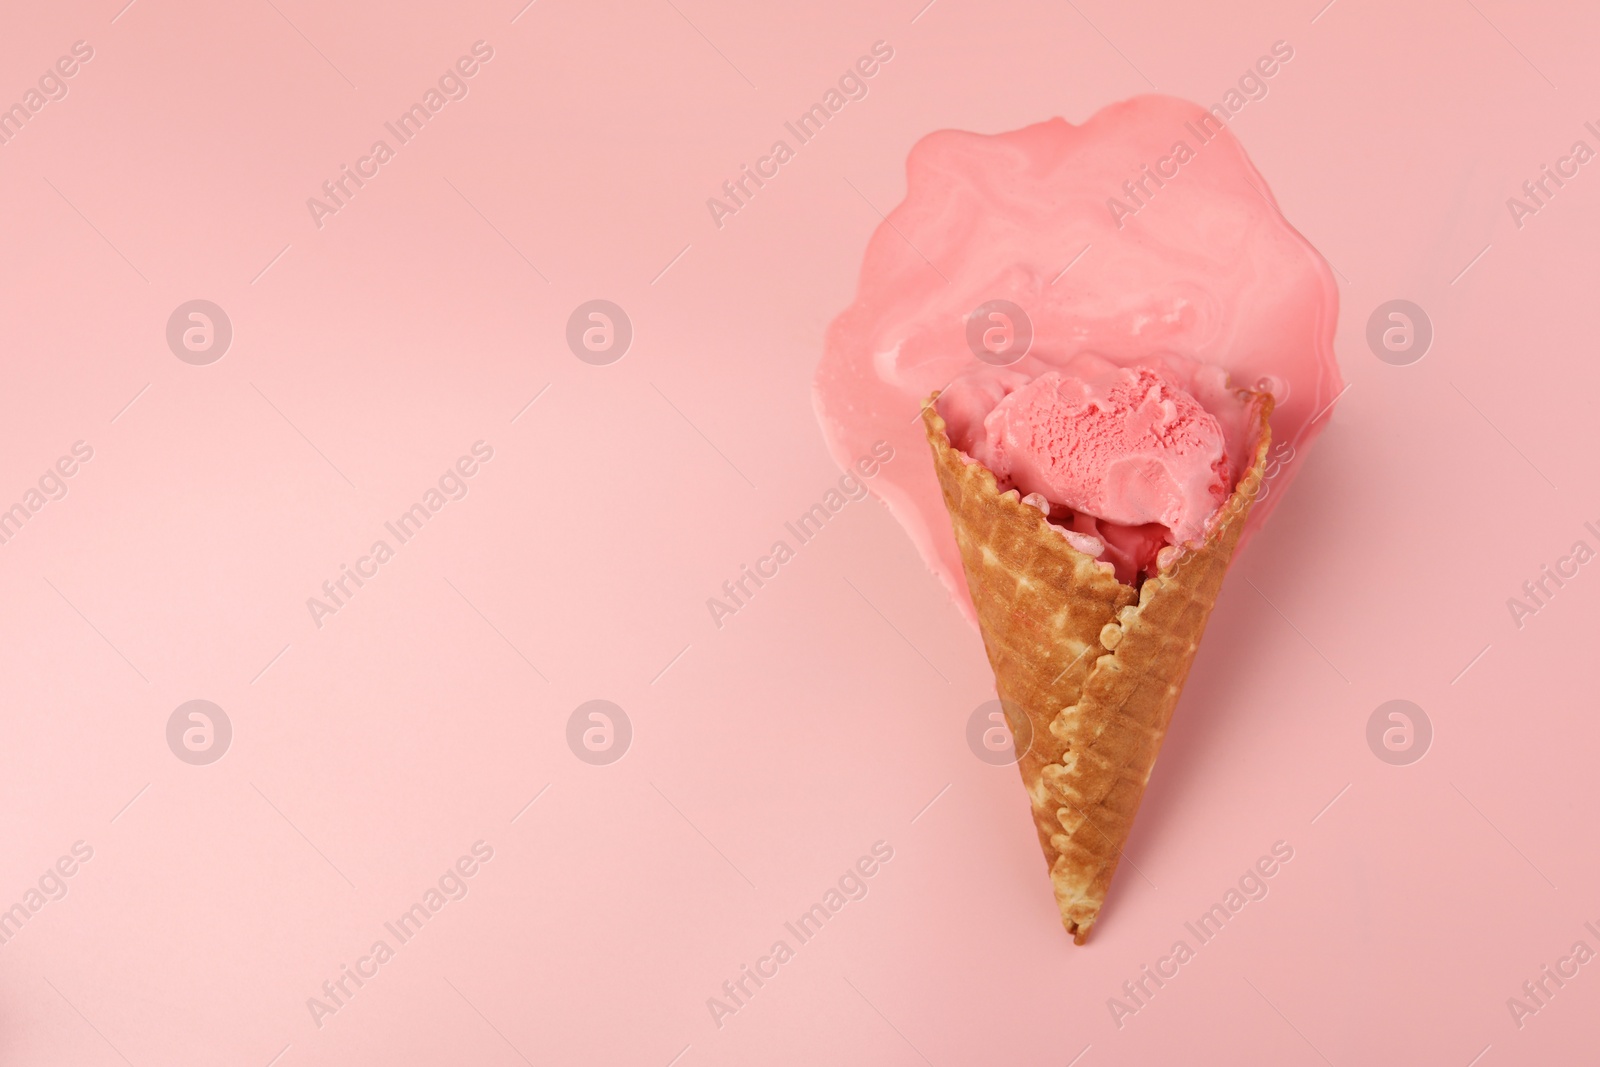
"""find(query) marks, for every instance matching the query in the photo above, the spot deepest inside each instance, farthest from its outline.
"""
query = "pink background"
(830, 712)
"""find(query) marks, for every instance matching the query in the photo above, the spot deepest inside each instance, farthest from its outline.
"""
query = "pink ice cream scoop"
(1149, 312)
(1129, 447)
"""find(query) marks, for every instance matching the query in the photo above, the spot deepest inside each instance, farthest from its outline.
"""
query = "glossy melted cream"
(1178, 253)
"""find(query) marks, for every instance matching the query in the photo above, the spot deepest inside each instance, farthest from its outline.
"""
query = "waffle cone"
(1087, 668)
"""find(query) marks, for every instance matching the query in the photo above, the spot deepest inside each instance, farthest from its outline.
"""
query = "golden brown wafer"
(1096, 666)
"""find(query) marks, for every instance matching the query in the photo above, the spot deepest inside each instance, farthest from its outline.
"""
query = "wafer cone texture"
(1093, 666)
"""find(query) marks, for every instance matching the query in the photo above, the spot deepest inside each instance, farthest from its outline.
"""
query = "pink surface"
(183, 512)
